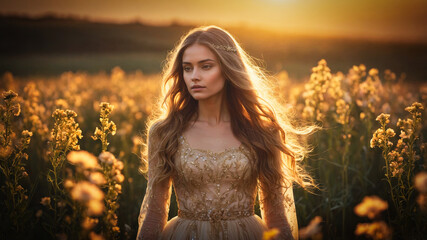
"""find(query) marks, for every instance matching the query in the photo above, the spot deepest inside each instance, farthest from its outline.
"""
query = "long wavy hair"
(257, 118)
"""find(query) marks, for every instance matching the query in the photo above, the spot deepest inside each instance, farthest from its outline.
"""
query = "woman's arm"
(278, 211)
(278, 208)
(155, 206)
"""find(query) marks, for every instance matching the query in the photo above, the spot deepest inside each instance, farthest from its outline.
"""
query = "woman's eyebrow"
(202, 61)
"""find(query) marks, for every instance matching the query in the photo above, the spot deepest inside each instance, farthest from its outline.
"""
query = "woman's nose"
(195, 75)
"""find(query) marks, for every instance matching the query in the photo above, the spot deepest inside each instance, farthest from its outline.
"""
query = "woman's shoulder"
(154, 127)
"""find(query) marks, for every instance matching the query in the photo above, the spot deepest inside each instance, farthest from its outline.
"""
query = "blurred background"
(44, 37)
(339, 64)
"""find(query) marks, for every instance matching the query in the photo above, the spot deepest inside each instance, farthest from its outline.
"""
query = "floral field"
(70, 153)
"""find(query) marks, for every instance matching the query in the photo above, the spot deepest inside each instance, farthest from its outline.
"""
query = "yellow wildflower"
(371, 206)
(415, 107)
(95, 207)
(270, 234)
(373, 72)
(119, 165)
(312, 229)
(97, 178)
(119, 178)
(85, 191)
(9, 95)
(118, 188)
(89, 223)
(61, 103)
(94, 236)
(383, 118)
(390, 132)
(375, 230)
(83, 159)
(68, 184)
(45, 201)
(107, 158)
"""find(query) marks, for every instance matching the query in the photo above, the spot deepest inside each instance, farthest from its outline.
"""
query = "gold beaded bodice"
(212, 186)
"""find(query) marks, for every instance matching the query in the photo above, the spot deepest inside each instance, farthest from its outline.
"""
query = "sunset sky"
(389, 19)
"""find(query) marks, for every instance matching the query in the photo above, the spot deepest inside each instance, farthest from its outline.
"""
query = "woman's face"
(201, 68)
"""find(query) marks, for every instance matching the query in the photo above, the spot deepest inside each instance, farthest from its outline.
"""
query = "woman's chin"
(198, 97)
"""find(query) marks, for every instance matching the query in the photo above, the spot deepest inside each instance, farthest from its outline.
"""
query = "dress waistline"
(215, 215)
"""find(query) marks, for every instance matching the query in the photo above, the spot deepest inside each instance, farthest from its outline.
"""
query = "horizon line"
(183, 23)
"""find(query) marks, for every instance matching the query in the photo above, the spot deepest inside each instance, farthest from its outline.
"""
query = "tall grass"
(54, 185)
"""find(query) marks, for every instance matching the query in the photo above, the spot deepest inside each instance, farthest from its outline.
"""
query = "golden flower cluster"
(270, 234)
(408, 129)
(26, 137)
(106, 127)
(34, 113)
(111, 168)
(355, 75)
(9, 95)
(381, 137)
(89, 223)
(313, 230)
(45, 201)
(66, 132)
(89, 194)
(396, 161)
(87, 191)
(343, 110)
(117, 75)
(400, 160)
(14, 195)
(324, 94)
(389, 76)
(96, 178)
(10, 109)
(371, 207)
(315, 90)
(415, 109)
(378, 230)
(85, 187)
(344, 103)
(83, 159)
(330, 98)
(368, 96)
(64, 136)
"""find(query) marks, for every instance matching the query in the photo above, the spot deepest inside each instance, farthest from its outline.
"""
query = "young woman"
(219, 138)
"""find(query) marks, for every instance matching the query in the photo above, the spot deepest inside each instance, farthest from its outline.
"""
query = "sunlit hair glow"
(257, 118)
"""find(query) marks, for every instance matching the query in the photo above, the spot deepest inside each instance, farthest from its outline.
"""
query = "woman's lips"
(196, 88)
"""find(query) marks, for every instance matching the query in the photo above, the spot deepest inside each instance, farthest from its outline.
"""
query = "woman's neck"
(213, 111)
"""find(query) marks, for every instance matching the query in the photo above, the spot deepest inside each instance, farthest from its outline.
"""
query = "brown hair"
(257, 119)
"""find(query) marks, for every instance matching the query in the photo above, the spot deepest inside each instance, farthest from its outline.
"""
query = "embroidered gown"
(216, 193)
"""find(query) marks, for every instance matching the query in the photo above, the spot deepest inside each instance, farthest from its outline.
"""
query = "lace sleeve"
(278, 211)
(155, 206)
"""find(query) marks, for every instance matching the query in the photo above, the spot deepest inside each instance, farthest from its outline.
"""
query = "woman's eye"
(207, 66)
(187, 69)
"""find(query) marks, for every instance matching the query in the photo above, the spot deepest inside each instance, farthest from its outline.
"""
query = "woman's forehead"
(196, 53)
